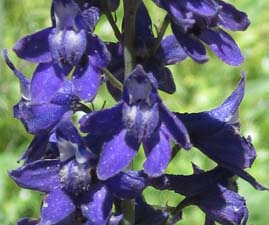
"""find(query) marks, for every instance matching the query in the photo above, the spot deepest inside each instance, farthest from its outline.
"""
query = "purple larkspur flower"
(140, 117)
(214, 192)
(44, 99)
(169, 52)
(68, 43)
(71, 185)
(197, 22)
(217, 134)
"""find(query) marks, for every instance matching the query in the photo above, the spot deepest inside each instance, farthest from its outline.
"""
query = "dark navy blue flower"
(146, 214)
(68, 43)
(197, 22)
(214, 192)
(71, 185)
(169, 52)
(217, 134)
(140, 117)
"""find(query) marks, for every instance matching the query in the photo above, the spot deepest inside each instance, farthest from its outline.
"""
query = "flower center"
(75, 177)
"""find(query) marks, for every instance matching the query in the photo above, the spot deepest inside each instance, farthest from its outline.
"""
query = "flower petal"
(171, 50)
(163, 76)
(175, 127)
(40, 175)
(38, 119)
(104, 122)
(86, 80)
(45, 83)
(98, 209)
(90, 16)
(143, 24)
(203, 7)
(34, 47)
(70, 143)
(98, 54)
(56, 207)
(127, 185)
(191, 45)
(115, 220)
(224, 206)
(37, 149)
(227, 110)
(117, 154)
(144, 38)
(222, 45)
(231, 18)
(24, 81)
(158, 153)
(184, 184)
(27, 221)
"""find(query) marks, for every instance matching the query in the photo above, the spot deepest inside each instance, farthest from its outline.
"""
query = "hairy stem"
(112, 79)
(130, 7)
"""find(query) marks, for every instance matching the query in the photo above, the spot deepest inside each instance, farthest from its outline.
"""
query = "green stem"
(130, 7)
(113, 80)
(111, 20)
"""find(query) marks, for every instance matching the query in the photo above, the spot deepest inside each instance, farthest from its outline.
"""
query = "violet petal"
(222, 45)
(203, 7)
(56, 207)
(172, 51)
(86, 80)
(98, 54)
(175, 127)
(98, 209)
(38, 119)
(224, 206)
(104, 122)
(191, 45)
(117, 154)
(45, 83)
(158, 153)
(231, 18)
(227, 110)
(127, 185)
(40, 175)
(34, 47)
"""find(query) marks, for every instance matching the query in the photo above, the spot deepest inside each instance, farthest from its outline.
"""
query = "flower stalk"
(129, 31)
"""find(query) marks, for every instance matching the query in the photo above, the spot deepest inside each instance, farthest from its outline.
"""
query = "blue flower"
(217, 134)
(68, 43)
(71, 185)
(140, 117)
(194, 22)
(44, 99)
(147, 214)
(214, 192)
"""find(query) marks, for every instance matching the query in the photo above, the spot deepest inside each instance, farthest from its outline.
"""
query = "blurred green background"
(199, 88)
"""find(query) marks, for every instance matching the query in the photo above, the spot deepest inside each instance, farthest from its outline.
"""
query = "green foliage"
(199, 88)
